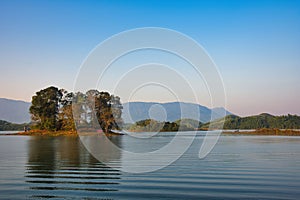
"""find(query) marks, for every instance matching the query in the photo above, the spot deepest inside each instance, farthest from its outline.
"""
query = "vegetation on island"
(150, 125)
(55, 110)
(191, 124)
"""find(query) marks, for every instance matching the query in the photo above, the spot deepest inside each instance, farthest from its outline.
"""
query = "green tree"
(79, 109)
(108, 109)
(45, 108)
(103, 109)
(65, 116)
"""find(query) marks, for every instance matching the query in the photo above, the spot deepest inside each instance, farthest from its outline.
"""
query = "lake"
(239, 167)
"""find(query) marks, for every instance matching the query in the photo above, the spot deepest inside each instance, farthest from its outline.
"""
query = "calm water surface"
(239, 167)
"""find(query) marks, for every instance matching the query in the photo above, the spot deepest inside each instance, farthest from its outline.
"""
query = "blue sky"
(255, 44)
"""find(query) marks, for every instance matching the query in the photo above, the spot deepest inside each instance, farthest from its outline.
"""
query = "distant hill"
(151, 125)
(189, 123)
(137, 111)
(14, 111)
(7, 126)
(258, 121)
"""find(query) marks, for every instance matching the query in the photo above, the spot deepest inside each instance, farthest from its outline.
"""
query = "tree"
(65, 117)
(106, 108)
(45, 108)
(78, 108)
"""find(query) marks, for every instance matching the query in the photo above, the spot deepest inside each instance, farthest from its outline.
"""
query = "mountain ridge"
(14, 111)
(137, 111)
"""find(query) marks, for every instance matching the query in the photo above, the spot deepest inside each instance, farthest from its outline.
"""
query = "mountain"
(14, 111)
(137, 111)
(7, 126)
(263, 120)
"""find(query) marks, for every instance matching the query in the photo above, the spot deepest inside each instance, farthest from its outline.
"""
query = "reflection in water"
(240, 167)
(106, 149)
(61, 167)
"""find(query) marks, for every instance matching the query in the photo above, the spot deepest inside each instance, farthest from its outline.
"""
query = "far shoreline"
(73, 133)
(264, 132)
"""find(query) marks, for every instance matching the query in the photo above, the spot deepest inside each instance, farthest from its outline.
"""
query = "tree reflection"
(63, 164)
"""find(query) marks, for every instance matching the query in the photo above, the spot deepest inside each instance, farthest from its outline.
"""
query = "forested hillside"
(258, 121)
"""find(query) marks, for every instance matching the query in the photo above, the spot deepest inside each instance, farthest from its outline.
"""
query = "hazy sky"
(255, 44)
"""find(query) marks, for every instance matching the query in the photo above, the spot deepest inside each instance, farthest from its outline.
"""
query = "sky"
(254, 44)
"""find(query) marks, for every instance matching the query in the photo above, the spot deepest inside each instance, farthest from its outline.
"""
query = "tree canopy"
(45, 108)
(56, 109)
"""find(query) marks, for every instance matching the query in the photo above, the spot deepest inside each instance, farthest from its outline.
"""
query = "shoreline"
(44, 133)
(262, 132)
(53, 133)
